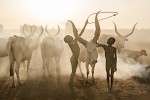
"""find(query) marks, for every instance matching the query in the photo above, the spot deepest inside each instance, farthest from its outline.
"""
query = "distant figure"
(75, 53)
(111, 61)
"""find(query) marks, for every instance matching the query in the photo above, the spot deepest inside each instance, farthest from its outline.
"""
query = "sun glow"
(50, 9)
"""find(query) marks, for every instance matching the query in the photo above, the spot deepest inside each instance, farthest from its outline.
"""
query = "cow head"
(143, 52)
(49, 34)
(120, 39)
(32, 39)
(89, 45)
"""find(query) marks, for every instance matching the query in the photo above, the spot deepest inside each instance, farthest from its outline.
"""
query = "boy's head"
(68, 38)
(111, 41)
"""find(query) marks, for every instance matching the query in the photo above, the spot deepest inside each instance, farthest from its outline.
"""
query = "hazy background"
(14, 13)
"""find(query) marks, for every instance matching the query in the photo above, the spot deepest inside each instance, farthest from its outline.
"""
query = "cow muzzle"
(94, 62)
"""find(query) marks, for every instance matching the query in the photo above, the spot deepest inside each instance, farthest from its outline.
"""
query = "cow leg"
(93, 67)
(57, 66)
(17, 73)
(28, 64)
(79, 64)
(44, 64)
(47, 66)
(24, 64)
(87, 72)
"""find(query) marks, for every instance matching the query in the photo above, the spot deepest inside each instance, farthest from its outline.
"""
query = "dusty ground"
(51, 88)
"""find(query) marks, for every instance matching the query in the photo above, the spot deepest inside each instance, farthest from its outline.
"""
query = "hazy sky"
(14, 13)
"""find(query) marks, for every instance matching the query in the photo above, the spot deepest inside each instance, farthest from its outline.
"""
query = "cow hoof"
(13, 86)
(21, 83)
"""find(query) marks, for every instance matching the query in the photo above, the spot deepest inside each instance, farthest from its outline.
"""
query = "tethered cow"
(51, 47)
(120, 39)
(89, 53)
(19, 50)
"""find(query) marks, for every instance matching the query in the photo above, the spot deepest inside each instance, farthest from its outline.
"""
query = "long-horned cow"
(3, 42)
(19, 50)
(88, 52)
(51, 47)
(120, 39)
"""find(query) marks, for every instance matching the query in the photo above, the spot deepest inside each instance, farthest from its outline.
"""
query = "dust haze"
(137, 41)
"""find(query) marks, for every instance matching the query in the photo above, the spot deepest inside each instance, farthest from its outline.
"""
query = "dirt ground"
(53, 88)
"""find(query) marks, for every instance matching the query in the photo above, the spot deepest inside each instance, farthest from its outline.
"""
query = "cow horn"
(131, 31)
(57, 31)
(47, 31)
(41, 31)
(25, 25)
(75, 32)
(23, 29)
(97, 31)
(116, 30)
(85, 24)
(32, 32)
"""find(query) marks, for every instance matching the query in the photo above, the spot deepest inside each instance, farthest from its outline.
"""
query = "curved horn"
(75, 31)
(23, 29)
(116, 30)
(32, 32)
(25, 25)
(131, 31)
(47, 31)
(97, 31)
(57, 31)
(41, 31)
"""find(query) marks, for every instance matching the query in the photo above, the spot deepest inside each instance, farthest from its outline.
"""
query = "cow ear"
(126, 39)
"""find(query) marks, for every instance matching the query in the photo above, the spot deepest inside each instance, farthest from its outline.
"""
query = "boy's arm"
(86, 22)
(101, 45)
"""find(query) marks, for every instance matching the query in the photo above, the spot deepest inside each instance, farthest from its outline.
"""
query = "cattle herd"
(20, 49)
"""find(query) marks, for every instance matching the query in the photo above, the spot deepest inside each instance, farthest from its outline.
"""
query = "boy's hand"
(115, 69)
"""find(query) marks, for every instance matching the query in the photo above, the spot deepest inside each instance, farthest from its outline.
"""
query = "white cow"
(3, 51)
(120, 39)
(133, 54)
(51, 47)
(88, 51)
(3, 43)
(19, 50)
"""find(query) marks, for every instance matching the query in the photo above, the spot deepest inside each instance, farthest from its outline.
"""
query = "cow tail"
(11, 61)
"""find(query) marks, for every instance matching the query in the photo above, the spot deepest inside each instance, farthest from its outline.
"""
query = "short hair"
(68, 38)
(111, 41)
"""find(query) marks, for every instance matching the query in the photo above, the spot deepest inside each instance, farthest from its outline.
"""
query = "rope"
(115, 13)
